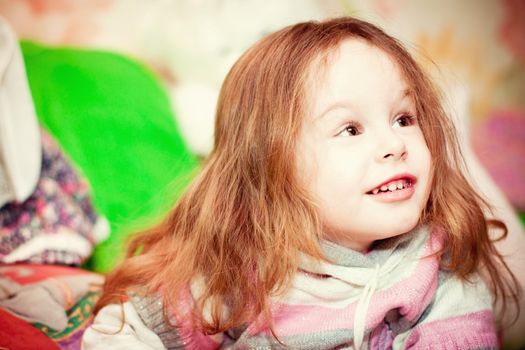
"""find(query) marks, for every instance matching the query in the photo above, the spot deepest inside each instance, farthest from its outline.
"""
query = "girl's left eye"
(404, 121)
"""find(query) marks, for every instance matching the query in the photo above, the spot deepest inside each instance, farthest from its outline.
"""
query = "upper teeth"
(391, 186)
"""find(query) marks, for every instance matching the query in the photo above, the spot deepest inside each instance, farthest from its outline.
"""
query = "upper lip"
(406, 176)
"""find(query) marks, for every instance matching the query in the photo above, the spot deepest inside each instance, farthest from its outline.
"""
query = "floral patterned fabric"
(57, 223)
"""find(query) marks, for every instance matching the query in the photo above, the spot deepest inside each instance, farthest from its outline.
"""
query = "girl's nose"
(391, 148)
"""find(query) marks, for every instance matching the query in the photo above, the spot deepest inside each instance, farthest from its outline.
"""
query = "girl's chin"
(400, 230)
(362, 241)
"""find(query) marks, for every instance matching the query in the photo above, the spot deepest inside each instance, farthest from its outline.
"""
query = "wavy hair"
(242, 222)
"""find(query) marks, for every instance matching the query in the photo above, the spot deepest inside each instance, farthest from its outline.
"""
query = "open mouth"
(393, 186)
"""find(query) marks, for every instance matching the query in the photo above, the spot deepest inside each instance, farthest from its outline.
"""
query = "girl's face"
(360, 151)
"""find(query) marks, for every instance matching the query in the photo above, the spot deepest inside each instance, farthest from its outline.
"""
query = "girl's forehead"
(351, 58)
(354, 54)
(353, 69)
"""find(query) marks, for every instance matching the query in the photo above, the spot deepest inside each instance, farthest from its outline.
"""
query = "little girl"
(332, 213)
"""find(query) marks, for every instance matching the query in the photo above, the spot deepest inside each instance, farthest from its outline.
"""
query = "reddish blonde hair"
(242, 222)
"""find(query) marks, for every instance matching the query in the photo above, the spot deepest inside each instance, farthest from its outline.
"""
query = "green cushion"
(113, 119)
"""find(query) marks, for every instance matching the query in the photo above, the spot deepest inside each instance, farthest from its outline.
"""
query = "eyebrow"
(407, 92)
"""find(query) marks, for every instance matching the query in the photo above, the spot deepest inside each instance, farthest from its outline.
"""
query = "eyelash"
(355, 127)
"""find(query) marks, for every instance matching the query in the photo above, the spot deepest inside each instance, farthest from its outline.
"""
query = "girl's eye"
(350, 130)
(404, 121)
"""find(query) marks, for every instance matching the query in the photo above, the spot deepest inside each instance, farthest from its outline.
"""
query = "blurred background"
(474, 49)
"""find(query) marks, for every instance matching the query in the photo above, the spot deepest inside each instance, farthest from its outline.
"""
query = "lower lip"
(394, 196)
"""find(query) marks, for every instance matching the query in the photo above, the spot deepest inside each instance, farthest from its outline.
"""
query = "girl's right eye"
(350, 129)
